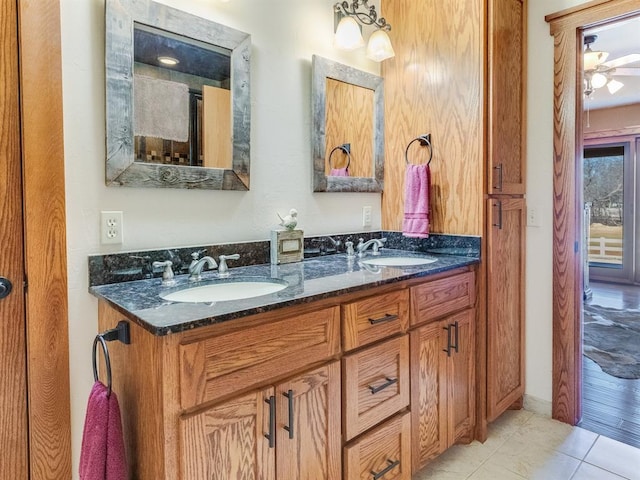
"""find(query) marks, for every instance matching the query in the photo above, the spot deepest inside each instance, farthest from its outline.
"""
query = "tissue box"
(287, 246)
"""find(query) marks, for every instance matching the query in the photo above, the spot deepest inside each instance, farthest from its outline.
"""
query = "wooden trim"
(45, 239)
(567, 27)
(622, 132)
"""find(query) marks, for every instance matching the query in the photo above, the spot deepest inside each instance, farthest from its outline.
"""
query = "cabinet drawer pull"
(499, 205)
(289, 428)
(387, 469)
(387, 318)
(456, 337)
(448, 349)
(388, 383)
(499, 168)
(271, 401)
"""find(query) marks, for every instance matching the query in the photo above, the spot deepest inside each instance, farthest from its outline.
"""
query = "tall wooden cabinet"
(505, 227)
(505, 308)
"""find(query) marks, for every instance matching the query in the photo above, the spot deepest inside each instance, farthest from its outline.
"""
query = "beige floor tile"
(544, 432)
(615, 457)
(557, 466)
(578, 443)
(528, 459)
(587, 471)
(491, 471)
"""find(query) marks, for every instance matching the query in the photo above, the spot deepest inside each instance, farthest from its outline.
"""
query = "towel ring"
(346, 148)
(425, 141)
(107, 361)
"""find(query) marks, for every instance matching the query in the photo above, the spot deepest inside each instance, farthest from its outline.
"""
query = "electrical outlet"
(111, 227)
(533, 219)
(366, 216)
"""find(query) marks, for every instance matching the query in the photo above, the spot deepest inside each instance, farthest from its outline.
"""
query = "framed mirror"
(347, 128)
(178, 101)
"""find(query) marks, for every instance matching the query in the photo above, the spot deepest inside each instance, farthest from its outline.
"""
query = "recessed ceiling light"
(168, 61)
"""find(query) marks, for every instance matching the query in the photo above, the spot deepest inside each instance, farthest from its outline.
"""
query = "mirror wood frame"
(322, 69)
(121, 167)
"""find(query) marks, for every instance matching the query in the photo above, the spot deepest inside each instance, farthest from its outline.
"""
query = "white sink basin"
(225, 291)
(399, 261)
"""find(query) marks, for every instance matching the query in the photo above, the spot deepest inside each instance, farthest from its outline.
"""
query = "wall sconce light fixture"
(349, 31)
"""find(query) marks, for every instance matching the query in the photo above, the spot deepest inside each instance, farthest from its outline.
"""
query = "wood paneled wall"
(435, 85)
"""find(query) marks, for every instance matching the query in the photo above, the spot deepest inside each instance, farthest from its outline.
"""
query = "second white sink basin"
(225, 291)
(399, 261)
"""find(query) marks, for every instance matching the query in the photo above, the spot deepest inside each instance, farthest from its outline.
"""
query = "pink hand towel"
(417, 185)
(339, 172)
(102, 456)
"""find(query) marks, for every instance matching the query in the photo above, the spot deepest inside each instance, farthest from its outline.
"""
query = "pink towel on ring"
(339, 172)
(102, 456)
(417, 185)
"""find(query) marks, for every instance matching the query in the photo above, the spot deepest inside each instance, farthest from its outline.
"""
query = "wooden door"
(308, 425)
(505, 304)
(228, 440)
(428, 393)
(507, 31)
(461, 377)
(13, 389)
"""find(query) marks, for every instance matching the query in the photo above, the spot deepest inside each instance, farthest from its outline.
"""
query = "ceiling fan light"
(593, 58)
(598, 80)
(614, 85)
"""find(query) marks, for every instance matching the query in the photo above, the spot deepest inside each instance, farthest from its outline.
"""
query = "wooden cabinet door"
(505, 304)
(428, 393)
(308, 425)
(506, 168)
(228, 440)
(461, 377)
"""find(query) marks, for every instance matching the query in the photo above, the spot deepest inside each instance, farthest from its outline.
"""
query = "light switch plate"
(366, 216)
(533, 217)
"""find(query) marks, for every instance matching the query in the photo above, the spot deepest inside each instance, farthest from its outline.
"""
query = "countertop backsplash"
(128, 266)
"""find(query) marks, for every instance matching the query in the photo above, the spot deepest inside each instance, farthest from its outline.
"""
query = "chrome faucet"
(223, 270)
(196, 266)
(374, 243)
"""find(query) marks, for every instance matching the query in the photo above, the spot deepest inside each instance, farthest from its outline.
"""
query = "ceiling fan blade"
(627, 72)
(624, 60)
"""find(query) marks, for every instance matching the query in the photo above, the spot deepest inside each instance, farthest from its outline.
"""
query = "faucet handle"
(349, 247)
(196, 255)
(223, 270)
(167, 274)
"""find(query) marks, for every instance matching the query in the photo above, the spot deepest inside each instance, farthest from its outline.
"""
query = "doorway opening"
(611, 198)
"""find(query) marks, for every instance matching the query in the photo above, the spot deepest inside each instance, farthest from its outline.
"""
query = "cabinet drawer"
(374, 318)
(384, 453)
(375, 384)
(436, 299)
(217, 366)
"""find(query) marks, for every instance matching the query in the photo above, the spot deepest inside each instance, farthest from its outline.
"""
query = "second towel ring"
(425, 141)
(105, 351)
(346, 148)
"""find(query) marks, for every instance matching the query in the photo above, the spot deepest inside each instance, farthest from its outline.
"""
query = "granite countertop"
(309, 280)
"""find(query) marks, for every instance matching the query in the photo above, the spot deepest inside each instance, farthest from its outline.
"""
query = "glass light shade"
(598, 80)
(379, 47)
(348, 35)
(614, 85)
(593, 59)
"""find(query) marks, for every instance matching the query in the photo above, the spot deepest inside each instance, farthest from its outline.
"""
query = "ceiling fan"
(598, 72)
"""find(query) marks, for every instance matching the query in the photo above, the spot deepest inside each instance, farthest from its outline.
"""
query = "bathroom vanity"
(352, 371)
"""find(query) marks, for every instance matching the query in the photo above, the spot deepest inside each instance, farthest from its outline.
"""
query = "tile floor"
(524, 445)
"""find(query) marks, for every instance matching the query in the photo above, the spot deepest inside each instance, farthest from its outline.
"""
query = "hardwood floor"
(611, 405)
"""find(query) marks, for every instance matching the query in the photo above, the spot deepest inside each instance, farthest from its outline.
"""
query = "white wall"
(285, 34)
(540, 196)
